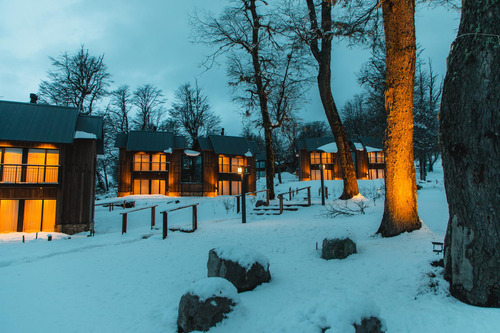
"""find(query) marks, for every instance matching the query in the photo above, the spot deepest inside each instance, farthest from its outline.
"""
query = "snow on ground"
(133, 282)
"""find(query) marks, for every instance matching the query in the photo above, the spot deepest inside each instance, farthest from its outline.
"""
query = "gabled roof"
(37, 122)
(228, 145)
(312, 144)
(369, 141)
(92, 125)
(31, 122)
(149, 141)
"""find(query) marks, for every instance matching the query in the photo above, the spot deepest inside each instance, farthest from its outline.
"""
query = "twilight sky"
(148, 42)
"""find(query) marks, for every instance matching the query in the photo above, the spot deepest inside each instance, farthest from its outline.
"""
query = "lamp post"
(322, 168)
(243, 172)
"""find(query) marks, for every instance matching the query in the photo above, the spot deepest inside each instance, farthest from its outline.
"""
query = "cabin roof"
(228, 145)
(32, 122)
(149, 141)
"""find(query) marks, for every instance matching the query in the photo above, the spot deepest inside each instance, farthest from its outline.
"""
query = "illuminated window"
(147, 186)
(376, 157)
(9, 210)
(150, 162)
(227, 187)
(12, 165)
(230, 164)
(376, 173)
(39, 215)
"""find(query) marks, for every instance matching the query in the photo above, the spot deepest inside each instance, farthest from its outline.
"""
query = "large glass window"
(327, 159)
(150, 162)
(42, 165)
(192, 169)
(38, 215)
(9, 210)
(376, 173)
(230, 164)
(376, 157)
(149, 186)
(12, 165)
(226, 187)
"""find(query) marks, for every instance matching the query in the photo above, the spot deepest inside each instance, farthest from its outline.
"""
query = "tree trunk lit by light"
(400, 208)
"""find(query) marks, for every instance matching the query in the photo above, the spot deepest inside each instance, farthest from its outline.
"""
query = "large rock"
(337, 248)
(369, 325)
(205, 304)
(245, 268)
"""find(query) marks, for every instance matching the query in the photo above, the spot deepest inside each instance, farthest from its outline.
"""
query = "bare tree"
(400, 208)
(324, 30)
(149, 102)
(469, 136)
(260, 64)
(119, 109)
(191, 112)
(78, 80)
(425, 119)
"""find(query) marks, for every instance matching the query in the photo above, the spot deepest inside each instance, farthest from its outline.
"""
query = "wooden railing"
(194, 219)
(292, 193)
(29, 173)
(124, 217)
(238, 199)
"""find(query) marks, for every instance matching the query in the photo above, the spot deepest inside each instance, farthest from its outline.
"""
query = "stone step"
(275, 208)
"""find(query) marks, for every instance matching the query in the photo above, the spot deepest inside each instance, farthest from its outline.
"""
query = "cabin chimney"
(222, 131)
(33, 98)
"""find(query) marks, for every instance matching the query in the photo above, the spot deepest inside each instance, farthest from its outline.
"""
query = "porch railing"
(29, 173)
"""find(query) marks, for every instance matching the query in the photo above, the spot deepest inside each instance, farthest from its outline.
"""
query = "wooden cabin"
(149, 163)
(367, 154)
(47, 168)
(224, 159)
(159, 163)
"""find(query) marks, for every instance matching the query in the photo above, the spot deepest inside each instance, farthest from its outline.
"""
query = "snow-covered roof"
(329, 148)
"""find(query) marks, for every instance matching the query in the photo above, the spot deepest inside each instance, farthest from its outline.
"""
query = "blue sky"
(148, 42)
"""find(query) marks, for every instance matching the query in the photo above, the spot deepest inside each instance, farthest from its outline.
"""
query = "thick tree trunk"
(469, 136)
(400, 207)
(324, 58)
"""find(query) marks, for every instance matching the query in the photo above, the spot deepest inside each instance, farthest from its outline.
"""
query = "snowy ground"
(133, 282)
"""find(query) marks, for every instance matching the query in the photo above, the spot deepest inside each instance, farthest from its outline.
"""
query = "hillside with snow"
(133, 282)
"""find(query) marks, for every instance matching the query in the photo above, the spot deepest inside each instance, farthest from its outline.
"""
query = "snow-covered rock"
(205, 304)
(337, 248)
(245, 268)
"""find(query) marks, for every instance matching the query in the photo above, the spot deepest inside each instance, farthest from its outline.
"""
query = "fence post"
(195, 218)
(309, 196)
(237, 204)
(152, 217)
(326, 192)
(267, 197)
(124, 223)
(281, 203)
(289, 194)
(165, 224)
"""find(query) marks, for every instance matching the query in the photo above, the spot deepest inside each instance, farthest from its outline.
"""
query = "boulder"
(205, 304)
(244, 268)
(259, 203)
(369, 325)
(337, 248)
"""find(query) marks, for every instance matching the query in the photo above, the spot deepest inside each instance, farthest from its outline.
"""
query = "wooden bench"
(112, 204)
(194, 220)
(437, 247)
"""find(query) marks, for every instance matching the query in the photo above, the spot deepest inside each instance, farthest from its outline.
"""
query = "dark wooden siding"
(252, 177)
(75, 200)
(305, 166)
(210, 170)
(175, 169)
(125, 172)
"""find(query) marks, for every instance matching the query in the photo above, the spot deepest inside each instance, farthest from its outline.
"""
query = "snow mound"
(243, 256)
(214, 287)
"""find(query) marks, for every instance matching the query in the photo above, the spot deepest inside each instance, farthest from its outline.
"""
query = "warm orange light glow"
(8, 215)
